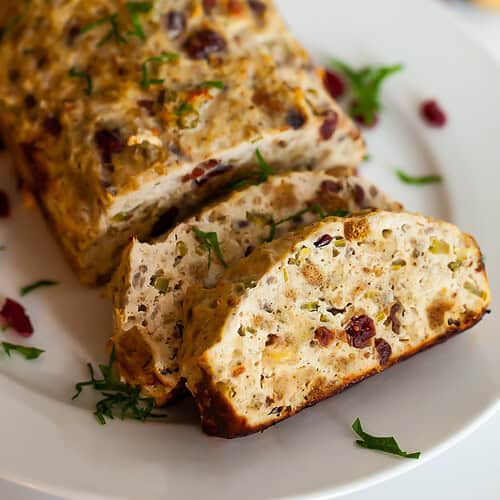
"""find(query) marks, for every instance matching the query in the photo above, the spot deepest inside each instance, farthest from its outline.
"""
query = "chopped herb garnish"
(38, 284)
(386, 444)
(5, 328)
(185, 107)
(74, 73)
(27, 352)
(134, 9)
(418, 181)
(255, 178)
(211, 242)
(114, 32)
(164, 57)
(118, 397)
(313, 209)
(365, 88)
(212, 84)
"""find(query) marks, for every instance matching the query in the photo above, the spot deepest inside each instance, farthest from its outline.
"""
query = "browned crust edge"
(218, 418)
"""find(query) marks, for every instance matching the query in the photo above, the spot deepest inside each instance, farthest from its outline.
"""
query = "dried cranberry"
(258, 7)
(323, 335)
(29, 101)
(201, 43)
(360, 330)
(393, 318)
(53, 126)
(148, 105)
(333, 84)
(249, 250)
(40, 178)
(208, 5)
(433, 114)
(221, 169)
(108, 142)
(15, 316)
(4, 204)
(330, 187)
(362, 121)
(295, 119)
(384, 351)
(328, 126)
(323, 241)
(359, 195)
(176, 23)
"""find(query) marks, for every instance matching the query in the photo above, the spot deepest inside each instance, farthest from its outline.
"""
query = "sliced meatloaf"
(319, 309)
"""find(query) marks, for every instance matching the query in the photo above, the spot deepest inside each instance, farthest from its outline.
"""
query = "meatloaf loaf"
(123, 115)
(152, 280)
(309, 314)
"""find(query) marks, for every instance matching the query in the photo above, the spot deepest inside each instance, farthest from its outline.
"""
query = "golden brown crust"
(219, 419)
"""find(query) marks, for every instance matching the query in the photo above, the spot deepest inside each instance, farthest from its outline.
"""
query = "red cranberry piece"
(362, 121)
(360, 330)
(384, 351)
(148, 105)
(208, 5)
(323, 241)
(393, 317)
(200, 44)
(433, 114)
(359, 195)
(4, 204)
(333, 84)
(258, 7)
(323, 335)
(176, 23)
(15, 316)
(73, 32)
(330, 187)
(52, 125)
(249, 250)
(108, 142)
(295, 119)
(328, 126)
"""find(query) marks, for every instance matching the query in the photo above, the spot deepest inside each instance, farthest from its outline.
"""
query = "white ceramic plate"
(429, 402)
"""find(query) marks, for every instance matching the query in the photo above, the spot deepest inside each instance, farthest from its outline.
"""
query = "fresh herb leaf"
(29, 288)
(386, 444)
(317, 209)
(114, 32)
(212, 84)
(185, 107)
(211, 242)
(418, 181)
(134, 9)
(27, 352)
(5, 328)
(118, 397)
(74, 73)
(365, 87)
(255, 178)
(164, 57)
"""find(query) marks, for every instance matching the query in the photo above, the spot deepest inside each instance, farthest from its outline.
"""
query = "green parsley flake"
(386, 444)
(74, 73)
(211, 243)
(418, 181)
(164, 57)
(365, 85)
(38, 284)
(134, 9)
(25, 351)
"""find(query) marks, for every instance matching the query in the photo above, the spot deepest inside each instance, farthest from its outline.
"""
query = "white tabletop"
(468, 470)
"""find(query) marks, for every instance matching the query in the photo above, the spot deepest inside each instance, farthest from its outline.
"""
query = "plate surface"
(429, 402)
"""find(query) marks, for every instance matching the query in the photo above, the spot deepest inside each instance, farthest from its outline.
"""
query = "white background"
(469, 470)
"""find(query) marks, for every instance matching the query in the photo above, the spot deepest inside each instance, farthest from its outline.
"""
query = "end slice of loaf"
(152, 279)
(328, 306)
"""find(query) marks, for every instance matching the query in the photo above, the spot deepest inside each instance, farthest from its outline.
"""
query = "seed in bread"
(329, 305)
(152, 279)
